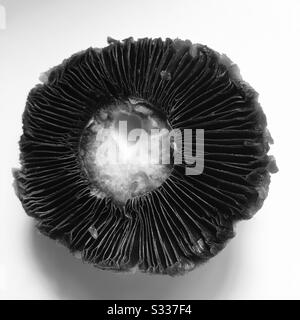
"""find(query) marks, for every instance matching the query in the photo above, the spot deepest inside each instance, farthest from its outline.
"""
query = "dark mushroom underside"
(187, 219)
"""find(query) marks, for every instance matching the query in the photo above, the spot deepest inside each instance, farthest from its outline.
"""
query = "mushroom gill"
(140, 215)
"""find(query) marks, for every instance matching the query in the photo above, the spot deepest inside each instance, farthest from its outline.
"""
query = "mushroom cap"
(186, 219)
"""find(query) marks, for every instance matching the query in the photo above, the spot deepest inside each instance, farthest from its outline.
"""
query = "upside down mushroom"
(136, 214)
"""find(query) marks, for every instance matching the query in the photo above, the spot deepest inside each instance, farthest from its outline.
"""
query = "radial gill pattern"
(165, 221)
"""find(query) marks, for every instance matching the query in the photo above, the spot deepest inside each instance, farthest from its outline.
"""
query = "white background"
(262, 37)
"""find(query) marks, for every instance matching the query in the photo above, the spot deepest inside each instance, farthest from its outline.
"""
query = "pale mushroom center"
(122, 150)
